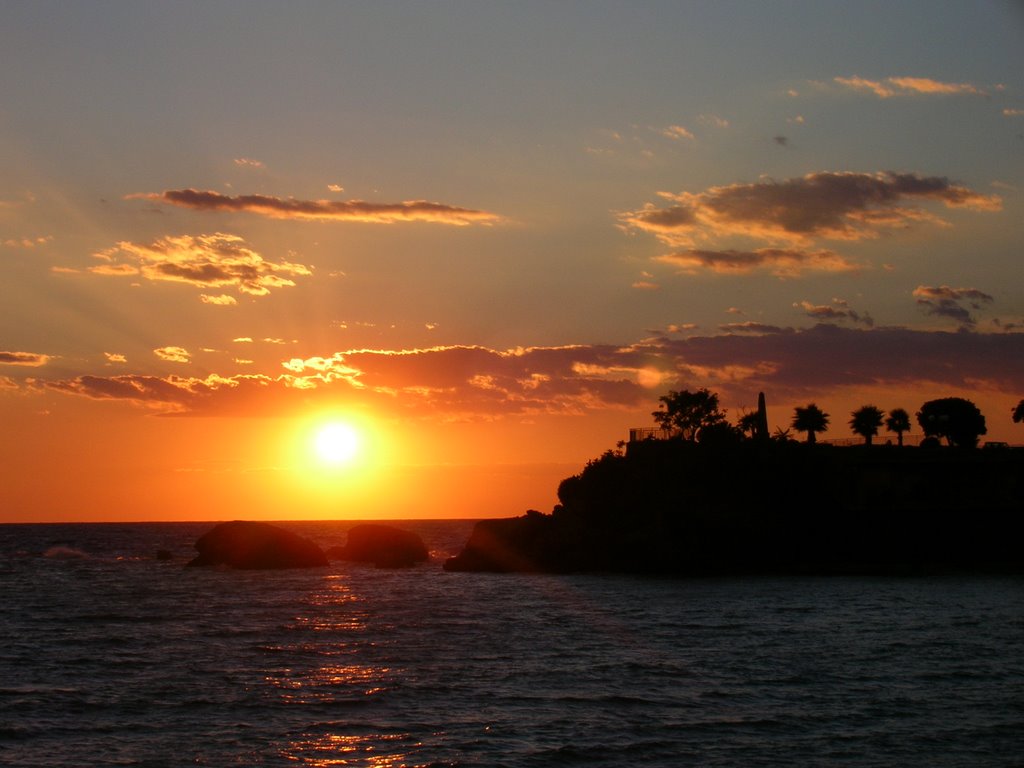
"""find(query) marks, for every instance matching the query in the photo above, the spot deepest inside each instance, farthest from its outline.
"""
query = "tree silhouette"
(954, 418)
(898, 422)
(810, 419)
(748, 422)
(1018, 412)
(866, 421)
(686, 413)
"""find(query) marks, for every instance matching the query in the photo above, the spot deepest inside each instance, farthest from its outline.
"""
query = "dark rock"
(382, 545)
(503, 545)
(249, 545)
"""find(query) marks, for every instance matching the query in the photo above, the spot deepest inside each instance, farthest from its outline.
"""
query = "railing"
(637, 434)
(649, 433)
(908, 439)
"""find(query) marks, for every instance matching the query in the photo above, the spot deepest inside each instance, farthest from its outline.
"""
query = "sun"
(336, 443)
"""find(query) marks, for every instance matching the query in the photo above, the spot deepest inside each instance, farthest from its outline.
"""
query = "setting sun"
(336, 443)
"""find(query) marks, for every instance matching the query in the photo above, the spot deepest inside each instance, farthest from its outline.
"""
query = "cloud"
(675, 132)
(780, 262)
(477, 383)
(830, 205)
(750, 326)
(782, 141)
(26, 242)
(838, 310)
(1010, 112)
(115, 357)
(335, 188)
(949, 302)
(173, 354)
(713, 120)
(223, 300)
(28, 359)
(206, 261)
(323, 210)
(246, 162)
(906, 86)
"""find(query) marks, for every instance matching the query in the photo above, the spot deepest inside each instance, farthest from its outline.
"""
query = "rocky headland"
(677, 507)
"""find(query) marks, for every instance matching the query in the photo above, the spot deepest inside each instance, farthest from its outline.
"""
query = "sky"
(486, 237)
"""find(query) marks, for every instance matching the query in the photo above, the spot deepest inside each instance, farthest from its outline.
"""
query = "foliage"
(781, 435)
(898, 421)
(954, 418)
(810, 419)
(866, 421)
(686, 413)
(721, 435)
(1018, 412)
(747, 423)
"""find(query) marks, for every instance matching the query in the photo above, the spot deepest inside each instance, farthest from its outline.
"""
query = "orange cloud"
(780, 262)
(837, 206)
(206, 261)
(675, 132)
(459, 383)
(26, 242)
(29, 359)
(903, 86)
(324, 210)
(173, 354)
(223, 300)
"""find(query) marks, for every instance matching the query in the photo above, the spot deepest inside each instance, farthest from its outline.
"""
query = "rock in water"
(249, 545)
(382, 545)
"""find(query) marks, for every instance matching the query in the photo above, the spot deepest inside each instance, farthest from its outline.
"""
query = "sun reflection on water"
(322, 669)
(372, 750)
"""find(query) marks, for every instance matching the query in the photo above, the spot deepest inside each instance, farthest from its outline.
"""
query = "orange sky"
(487, 236)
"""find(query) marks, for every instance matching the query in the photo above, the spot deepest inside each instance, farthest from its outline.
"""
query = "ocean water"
(111, 657)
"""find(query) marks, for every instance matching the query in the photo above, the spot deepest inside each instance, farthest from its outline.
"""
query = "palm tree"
(810, 419)
(866, 421)
(898, 422)
(748, 423)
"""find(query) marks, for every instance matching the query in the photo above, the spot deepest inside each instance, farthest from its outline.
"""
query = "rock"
(249, 545)
(504, 545)
(382, 545)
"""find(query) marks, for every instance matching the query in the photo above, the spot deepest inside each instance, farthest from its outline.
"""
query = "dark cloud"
(839, 310)
(323, 210)
(782, 141)
(782, 262)
(30, 359)
(843, 206)
(950, 302)
(481, 383)
(750, 326)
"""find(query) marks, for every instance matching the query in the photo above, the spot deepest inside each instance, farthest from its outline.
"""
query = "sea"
(110, 656)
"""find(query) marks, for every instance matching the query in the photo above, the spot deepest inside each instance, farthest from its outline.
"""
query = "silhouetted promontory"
(683, 507)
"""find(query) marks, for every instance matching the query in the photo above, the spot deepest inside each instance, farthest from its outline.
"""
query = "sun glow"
(336, 443)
